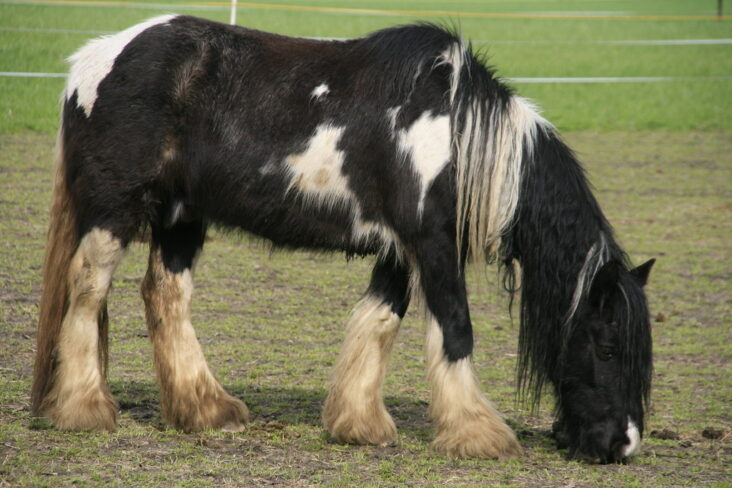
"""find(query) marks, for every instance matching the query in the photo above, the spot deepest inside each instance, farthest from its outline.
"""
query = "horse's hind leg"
(79, 398)
(467, 424)
(354, 410)
(191, 398)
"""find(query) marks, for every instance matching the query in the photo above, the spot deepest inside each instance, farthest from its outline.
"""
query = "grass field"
(538, 46)
(659, 155)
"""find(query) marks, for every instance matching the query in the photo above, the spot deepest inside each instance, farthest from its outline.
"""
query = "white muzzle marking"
(633, 447)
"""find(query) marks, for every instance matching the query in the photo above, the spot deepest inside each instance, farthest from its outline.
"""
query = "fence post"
(232, 18)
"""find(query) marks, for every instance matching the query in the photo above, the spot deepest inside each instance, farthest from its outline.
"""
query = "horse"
(401, 145)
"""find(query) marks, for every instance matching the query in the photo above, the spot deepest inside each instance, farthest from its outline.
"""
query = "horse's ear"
(606, 279)
(641, 272)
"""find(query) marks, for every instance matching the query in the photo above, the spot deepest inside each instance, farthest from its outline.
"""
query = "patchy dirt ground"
(270, 324)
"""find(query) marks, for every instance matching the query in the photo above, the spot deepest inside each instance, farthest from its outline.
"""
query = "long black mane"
(561, 239)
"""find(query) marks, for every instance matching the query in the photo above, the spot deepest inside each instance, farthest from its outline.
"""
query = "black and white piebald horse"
(402, 145)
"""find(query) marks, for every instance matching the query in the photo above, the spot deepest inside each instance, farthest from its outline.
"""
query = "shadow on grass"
(290, 405)
(293, 406)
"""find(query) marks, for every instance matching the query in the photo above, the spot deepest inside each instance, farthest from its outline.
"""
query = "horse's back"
(307, 143)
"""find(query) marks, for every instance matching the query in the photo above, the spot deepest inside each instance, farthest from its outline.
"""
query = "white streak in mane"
(491, 152)
(595, 258)
(93, 62)
(455, 56)
(491, 147)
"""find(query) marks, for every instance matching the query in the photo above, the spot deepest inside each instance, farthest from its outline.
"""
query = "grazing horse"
(401, 145)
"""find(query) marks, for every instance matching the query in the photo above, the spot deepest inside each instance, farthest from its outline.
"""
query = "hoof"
(359, 426)
(480, 437)
(220, 411)
(233, 427)
(231, 416)
(93, 411)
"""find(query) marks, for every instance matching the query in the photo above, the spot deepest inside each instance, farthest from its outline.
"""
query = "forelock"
(630, 312)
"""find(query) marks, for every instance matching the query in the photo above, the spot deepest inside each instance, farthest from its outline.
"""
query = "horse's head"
(604, 380)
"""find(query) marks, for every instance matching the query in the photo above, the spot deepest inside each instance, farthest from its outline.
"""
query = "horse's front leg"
(354, 410)
(191, 398)
(467, 424)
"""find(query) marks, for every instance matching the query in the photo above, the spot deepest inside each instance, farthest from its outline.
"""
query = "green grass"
(547, 47)
(271, 324)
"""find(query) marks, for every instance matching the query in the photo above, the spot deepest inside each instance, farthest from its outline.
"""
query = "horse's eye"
(605, 353)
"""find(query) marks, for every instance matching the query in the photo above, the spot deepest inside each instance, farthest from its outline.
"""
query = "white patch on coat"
(316, 173)
(632, 448)
(427, 142)
(93, 62)
(319, 91)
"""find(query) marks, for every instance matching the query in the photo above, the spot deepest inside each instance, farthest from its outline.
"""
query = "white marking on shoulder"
(633, 434)
(93, 62)
(427, 141)
(319, 91)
